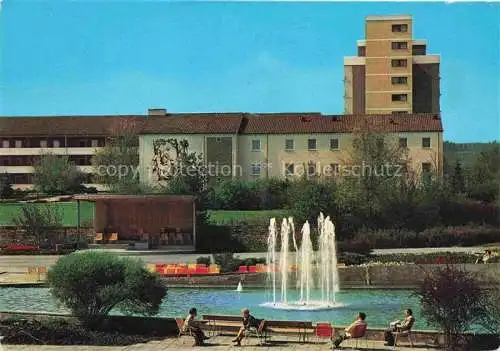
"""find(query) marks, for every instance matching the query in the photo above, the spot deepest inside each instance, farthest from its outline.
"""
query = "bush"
(40, 222)
(206, 260)
(429, 258)
(92, 284)
(228, 263)
(352, 258)
(453, 300)
(61, 332)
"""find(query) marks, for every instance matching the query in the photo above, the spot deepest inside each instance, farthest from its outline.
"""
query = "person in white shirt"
(399, 327)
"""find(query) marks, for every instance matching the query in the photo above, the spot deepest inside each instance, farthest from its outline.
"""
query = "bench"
(218, 323)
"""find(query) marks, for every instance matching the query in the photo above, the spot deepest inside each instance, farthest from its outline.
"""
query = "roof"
(389, 18)
(105, 197)
(193, 123)
(219, 123)
(283, 124)
(65, 125)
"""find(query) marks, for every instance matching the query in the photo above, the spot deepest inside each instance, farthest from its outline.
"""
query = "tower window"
(399, 63)
(400, 97)
(399, 80)
(399, 28)
(399, 45)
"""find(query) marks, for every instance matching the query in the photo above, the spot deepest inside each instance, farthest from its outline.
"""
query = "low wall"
(12, 234)
(377, 276)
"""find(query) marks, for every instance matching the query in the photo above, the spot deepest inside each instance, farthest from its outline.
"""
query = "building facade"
(291, 145)
(23, 140)
(392, 72)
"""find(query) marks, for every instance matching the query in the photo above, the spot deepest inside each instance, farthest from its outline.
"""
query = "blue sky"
(121, 57)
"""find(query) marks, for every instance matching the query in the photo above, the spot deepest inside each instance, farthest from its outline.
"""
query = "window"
(399, 80)
(334, 144)
(289, 169)
(400, 97)
(311, 144)
(18, 143)
(218, 140)
(289, 145)
(403, 142)
(56, 143)
(95, 143)
(399, 63)
(399, 112)
(82, 143)
(399, 28)
(256, 169)
(5, 143)
(256, 145)
(426, 143)
(311, 168)
(43, 143)
(399, 45)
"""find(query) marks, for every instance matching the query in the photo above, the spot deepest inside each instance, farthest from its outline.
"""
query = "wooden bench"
(218, 323)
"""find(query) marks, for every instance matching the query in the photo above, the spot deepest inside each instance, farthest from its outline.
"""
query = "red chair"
(252, 269)
(359, 333)
(324, 330)
(243, 269)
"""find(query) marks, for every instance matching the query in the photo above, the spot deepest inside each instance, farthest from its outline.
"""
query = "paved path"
(223, 343)
(20, 264)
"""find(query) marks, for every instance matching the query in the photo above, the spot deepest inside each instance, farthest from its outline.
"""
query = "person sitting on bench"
(398, 327)
(352, 330)
(249, 322)
(192, 326)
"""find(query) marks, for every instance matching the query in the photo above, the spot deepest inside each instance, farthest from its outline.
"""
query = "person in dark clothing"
(249, 322)
(398, 327)
(192, 326)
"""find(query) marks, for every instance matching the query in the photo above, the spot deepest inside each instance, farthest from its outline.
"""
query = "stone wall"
(383, 276)
(12, 234)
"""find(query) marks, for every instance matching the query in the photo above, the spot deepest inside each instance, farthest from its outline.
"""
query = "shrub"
(428, 258)
(228, 263)
(352, 258)
(453, 300)
(91, 284)
(6, 190)
(206, 260)
(40, 222)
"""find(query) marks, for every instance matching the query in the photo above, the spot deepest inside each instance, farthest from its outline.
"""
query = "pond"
(380, 306)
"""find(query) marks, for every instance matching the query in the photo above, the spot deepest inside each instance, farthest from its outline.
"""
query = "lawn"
(10, 210)
(251, 217)
(67, 210)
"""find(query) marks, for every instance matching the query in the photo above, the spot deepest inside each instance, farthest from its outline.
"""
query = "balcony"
(27, 151)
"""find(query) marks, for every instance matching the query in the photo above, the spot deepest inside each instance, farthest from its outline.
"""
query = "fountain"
(239, 288)
(312, 276)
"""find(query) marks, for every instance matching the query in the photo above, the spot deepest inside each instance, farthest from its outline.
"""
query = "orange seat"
(113, 237)
(98, 237)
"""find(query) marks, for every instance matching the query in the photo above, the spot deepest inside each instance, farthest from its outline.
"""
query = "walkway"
(222, 343)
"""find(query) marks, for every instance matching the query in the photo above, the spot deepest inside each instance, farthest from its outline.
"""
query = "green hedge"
(429, 258)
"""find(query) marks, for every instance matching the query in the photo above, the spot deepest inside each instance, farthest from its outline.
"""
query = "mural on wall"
(166, 156)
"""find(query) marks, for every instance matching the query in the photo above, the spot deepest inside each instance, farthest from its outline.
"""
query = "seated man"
(399, 327)
(355, 330)
(192, 326)
(249, 322)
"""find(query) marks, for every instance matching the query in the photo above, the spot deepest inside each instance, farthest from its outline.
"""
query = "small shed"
(163, 220)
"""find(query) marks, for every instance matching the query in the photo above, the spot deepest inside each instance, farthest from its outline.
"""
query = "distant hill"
(465, 153)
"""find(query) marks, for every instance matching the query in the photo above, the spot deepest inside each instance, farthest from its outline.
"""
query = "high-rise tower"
(392, 72)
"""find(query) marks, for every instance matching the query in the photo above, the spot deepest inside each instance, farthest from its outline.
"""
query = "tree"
(56, 175)
(40, 222)
(6, 190)
(485, 175)
(92, 284)
(457, 179)
(453, 300)
(187, 174)
(116, 164)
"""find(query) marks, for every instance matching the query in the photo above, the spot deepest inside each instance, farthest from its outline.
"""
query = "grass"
(67, 210)
(250, 217)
